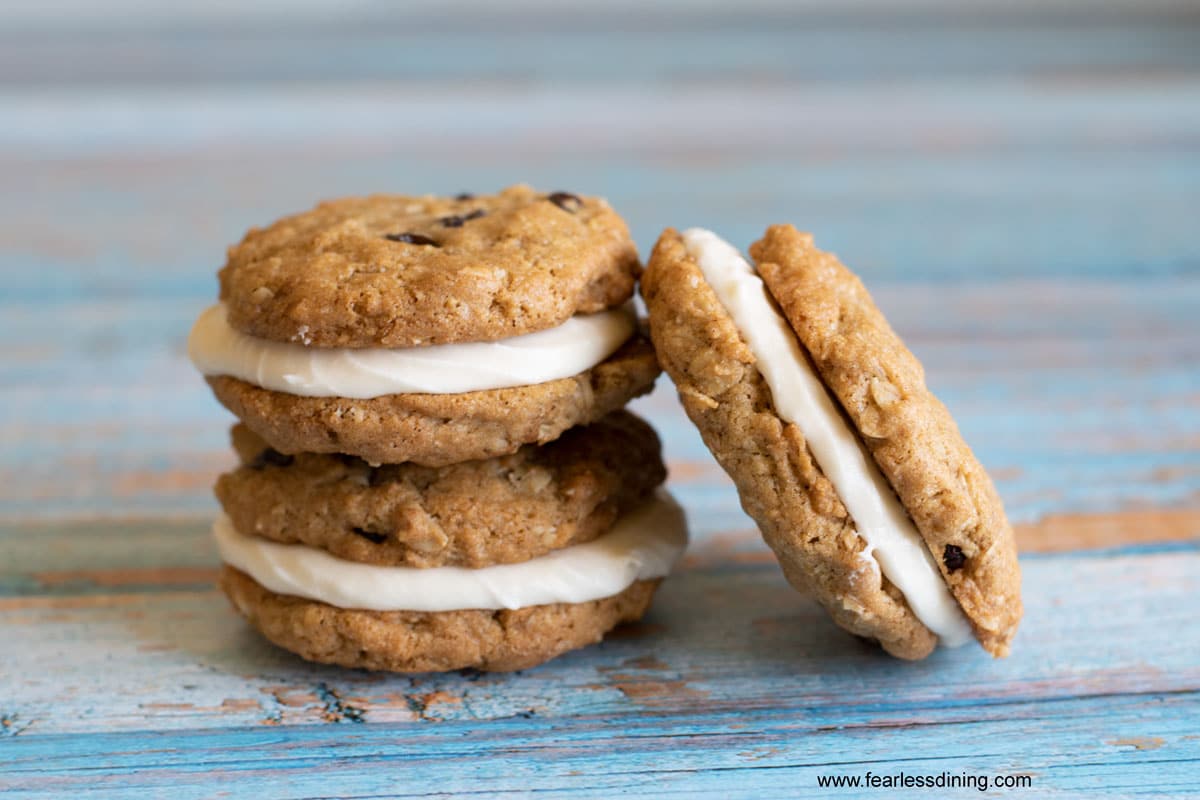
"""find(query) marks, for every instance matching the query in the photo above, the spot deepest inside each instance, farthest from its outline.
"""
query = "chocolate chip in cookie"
(410, 238)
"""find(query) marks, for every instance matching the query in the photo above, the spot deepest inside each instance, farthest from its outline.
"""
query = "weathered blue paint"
(775, 752)
(1019, 190)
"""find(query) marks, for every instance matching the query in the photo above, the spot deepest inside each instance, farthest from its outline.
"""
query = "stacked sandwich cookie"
(436, 472)
(855, 473)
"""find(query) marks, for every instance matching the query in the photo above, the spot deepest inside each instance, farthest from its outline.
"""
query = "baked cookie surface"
(880, 385)
(440, 429)
(408, 641)
(778, 482)
(471, 514)
(404, 271)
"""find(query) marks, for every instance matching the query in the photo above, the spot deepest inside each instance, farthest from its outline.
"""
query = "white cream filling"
(800, 398)
(579, 344)
(643, 544)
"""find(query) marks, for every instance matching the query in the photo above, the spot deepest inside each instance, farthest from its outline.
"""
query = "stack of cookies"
(436, 471)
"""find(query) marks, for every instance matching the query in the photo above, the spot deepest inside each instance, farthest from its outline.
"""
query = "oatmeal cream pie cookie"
(409, 619)
(855, 473)
(427, 329)
(472, 514)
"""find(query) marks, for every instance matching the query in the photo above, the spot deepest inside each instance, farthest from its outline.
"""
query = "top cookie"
(779, 483)
(880, 385)
(401, 271)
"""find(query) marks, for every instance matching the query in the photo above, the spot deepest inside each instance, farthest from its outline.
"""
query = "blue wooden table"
(1018, 184)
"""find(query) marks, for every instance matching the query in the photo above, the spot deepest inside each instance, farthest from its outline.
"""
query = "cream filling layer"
(643, 544)
(800, 398)
(579, 344)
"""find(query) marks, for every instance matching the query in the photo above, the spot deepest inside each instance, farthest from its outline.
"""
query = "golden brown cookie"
(471, 514)
(880, 385)
(401, 271)
(440, 429)
(410, 641)
(778, 479)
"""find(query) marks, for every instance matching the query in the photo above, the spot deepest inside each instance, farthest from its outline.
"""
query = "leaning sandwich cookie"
(856, 475)
(427, 329)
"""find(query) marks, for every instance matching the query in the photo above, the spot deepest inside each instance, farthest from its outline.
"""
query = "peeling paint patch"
(643, 681)
(12, 725)
(422, 704)
(760, 753)
(272, 709)
(1139, 742)
(645, 662)
(337, 710)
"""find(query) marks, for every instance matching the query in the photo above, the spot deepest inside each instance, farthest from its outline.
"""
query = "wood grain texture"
(732, 672)
(1018, 184)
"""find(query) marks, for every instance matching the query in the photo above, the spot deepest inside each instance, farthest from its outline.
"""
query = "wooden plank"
(1140, 746)
(509, 50)
(786, 119)
(723, 637)
(1061, 533)
(733, 678)
(910, 207)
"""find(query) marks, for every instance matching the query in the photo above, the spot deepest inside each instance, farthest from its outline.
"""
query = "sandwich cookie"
(855, 473)
(425, 329)
(495, 564)
(408, 619)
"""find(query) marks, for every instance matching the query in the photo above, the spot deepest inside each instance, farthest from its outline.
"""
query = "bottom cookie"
(415, 641)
